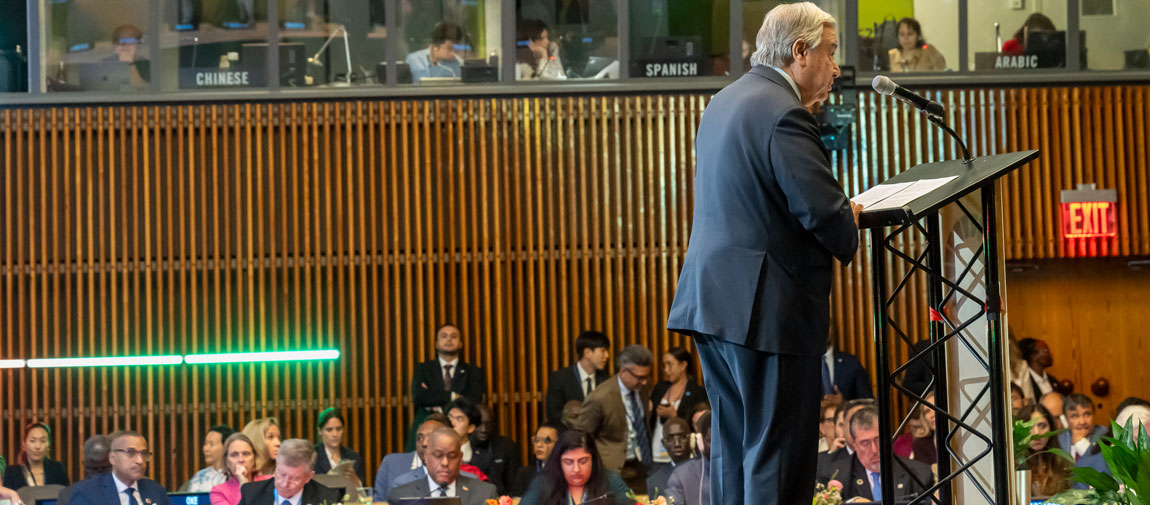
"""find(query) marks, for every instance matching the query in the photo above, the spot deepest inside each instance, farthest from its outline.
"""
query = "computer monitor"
(293, 65)
(402, 72)
(1050, 47)
(46, 501)
(190, 498)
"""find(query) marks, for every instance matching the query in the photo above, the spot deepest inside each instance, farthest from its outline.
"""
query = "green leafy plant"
(1022, 439)
(1127, 455)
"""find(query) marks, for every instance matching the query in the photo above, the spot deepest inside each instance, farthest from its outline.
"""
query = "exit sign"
(1089, 213)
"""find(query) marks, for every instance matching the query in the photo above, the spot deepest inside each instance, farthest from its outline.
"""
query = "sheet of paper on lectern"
(897, 195)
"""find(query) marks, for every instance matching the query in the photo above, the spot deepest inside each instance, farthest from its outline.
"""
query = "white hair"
(783, 26)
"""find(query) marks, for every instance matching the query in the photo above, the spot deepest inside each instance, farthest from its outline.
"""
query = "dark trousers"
(764, 423)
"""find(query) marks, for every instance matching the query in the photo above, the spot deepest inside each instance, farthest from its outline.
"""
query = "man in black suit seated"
(844, 452)
(843, 375)
(443, 458)
(125, 484)
(860, 475)
(291, 484)
(95, 464)
(440, 381)
(494, 454)
(577, 381)
(677, 438)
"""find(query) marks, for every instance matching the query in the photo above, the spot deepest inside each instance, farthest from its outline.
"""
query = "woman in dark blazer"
(676, 396)
(35, 468)
(331, 428)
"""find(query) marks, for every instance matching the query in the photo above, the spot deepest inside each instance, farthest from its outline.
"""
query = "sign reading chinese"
(1089, 213)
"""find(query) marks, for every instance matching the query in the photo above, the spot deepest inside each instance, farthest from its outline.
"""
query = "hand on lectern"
(857, 208)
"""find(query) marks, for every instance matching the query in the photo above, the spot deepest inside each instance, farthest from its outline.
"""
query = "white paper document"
(893, 196)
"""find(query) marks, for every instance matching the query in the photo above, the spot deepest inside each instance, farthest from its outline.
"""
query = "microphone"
(885, 86)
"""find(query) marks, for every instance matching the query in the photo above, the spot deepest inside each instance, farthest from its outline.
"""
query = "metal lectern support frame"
(943, 329)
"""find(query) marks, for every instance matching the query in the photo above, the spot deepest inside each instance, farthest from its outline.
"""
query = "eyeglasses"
(542, 440)
(677, 436)
(636, 376)
(132, 454)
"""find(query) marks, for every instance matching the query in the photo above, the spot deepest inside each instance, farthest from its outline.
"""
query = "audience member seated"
(264, 435)
(674, 397)
(211, 476)
(441, 381)
(913, 54)
(860, 474)
(541, 444)
(1053, 402)
(398, 469)
(129, 457)
(575, 383)
(844, 376)
(239, 469)
(292, 481)
(1037, 22)
(918, 441)
(829, 440)
(464, 417)
(1049, 473)
(34, 467)
(1082, 434)
(1017, 399)
(494, 454)
(126, 42)
(571, 413)
(576, 473)
(96, 463)
(690, 482)
(677, 437)
(615, 415)
(846, 450)
(330, 451)
(536, 57)
(1136, 411)
(439, 59)
(1038, 359)
(443, 458)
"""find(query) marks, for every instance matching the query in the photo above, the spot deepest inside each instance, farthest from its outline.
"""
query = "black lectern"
(972, 243)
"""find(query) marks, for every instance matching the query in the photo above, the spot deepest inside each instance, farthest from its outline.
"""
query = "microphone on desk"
(885, 86)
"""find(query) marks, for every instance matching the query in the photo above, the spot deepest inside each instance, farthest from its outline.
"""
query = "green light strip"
(261, 357)
(116, 361)
(11, 363)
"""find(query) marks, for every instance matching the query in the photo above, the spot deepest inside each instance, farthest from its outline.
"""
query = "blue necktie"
(286, 502)
(827, 387)
(131, 492)
(637, 423)
(876, 487)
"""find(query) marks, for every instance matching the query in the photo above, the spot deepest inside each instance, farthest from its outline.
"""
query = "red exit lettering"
(1089, 219)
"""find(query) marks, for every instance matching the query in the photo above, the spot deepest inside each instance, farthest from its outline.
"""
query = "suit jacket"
(1066, 439)
(524, 477)
(469, 491)
(828, 462)
(691, 397)
(850, 377)
(54, 473)
(657, 482)
(769, 216)
(858, 483)
(687, 481)
(323, 465)
(467, 381)
(499, 459)
(604, 417)
(263, 493)
(563, 386)
(102, 491)
(392, 466)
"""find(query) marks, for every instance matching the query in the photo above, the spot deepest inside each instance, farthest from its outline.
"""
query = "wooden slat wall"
(363, 225)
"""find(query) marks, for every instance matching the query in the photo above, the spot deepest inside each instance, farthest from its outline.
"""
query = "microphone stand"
(937, 120)
(314, 60)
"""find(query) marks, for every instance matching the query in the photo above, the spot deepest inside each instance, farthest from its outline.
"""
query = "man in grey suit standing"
(755, 287)
(443, 456)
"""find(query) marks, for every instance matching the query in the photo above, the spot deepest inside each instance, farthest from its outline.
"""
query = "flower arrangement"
(829, 494)
(503, 500)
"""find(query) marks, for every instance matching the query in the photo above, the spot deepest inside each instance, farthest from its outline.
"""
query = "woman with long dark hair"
(1037, 22)
(1049, 473)
(574, 474)
(675, 396)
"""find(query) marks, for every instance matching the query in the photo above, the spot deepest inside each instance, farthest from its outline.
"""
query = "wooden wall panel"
(363, 225)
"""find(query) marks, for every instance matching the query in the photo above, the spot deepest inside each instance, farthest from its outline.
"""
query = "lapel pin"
(148, 500)
(859, 482)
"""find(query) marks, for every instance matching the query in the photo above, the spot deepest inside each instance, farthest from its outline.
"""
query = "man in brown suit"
(615, 415)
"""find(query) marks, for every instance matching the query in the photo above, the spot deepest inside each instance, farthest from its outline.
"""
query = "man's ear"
(799, 51)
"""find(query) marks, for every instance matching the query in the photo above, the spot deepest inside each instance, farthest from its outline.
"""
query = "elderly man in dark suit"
(125, 484)
(615, 415)
(577, 381)
(443, 457)
(292, 482)
(755, 288)
(860, 475)
(441, 381)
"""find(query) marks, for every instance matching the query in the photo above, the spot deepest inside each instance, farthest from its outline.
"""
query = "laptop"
(110, 75)
(190, 498)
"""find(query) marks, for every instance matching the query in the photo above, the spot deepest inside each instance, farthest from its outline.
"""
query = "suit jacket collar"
(108, 487)
(772, 75)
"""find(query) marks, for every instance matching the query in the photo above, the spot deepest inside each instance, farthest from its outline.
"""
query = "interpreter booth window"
(1003, 38)
(447, 42)
(908, 36)
(671, 39)
(559, 40)
(96, 45)
(216, 44)
(344, 42)
(753, 13)
(13, 46)
(1116, 37)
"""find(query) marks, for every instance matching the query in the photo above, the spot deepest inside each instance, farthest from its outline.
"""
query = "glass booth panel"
(447, 42)
(1003, 38)
(344, 43)
(96, 45)
(214, 44)
(566, 40)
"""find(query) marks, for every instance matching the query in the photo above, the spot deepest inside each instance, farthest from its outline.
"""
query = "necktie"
(586, 387)
(827, 387)
(131, 492)
(443, 491)
(640, 430)
(447, 377)
(286, 502)
(876, 487)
